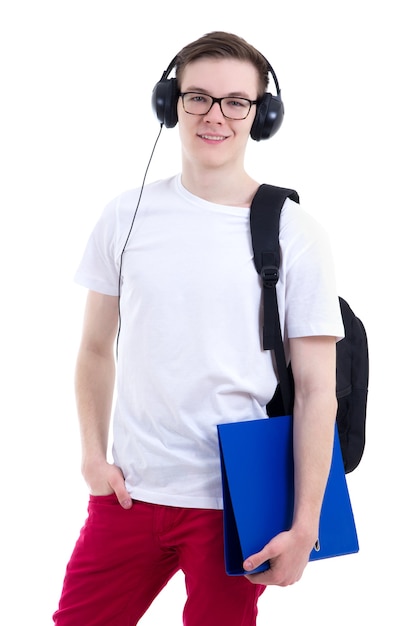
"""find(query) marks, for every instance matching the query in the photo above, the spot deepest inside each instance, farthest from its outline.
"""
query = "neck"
(217, 186)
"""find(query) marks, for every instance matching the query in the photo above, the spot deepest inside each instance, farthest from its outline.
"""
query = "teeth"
(212, 137)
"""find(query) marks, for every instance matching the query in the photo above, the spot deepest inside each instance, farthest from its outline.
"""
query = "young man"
(189, 357)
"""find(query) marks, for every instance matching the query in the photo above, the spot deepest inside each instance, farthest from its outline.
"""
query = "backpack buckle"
(269, 275)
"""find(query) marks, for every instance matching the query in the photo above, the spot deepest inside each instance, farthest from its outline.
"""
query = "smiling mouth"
(213, 137)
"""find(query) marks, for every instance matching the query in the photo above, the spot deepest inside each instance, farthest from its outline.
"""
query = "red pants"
(123, 558)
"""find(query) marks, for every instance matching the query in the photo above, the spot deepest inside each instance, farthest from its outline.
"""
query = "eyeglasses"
(231, 107)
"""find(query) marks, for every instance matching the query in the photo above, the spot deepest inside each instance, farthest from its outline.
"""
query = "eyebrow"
(232, 94)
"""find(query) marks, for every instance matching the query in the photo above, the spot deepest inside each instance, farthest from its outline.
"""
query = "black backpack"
(352, 359)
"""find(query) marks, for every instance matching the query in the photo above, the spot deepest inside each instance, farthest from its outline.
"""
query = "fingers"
(271, 550)
(254, 561)
(276, 574)
(106, 478)
(117, 483)
(287, 561)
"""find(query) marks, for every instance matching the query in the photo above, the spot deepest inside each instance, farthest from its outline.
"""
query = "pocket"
(103, 508)
(107, 499)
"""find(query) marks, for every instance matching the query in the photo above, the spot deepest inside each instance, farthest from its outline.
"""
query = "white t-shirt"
(189, 352)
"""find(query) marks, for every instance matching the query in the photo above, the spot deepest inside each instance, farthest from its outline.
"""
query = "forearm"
(94, 385)
(314, 421)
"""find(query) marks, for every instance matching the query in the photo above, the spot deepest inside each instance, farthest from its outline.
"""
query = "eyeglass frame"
(219, 101)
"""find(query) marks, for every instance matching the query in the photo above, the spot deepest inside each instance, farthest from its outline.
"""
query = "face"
(213, 140)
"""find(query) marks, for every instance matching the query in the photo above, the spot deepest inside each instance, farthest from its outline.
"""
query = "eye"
(237, 103)
(197, 97)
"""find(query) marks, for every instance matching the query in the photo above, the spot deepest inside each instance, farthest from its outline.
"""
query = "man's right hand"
(105, 479)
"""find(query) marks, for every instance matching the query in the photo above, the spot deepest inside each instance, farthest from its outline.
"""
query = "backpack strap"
(264, 223)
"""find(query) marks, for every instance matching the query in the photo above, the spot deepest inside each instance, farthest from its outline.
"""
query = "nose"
(214, 114)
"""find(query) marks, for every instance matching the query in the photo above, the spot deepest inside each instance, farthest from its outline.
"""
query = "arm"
(94, 386)
(313, 362)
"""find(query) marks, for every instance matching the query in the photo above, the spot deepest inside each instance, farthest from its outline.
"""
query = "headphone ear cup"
(164, 102)
(268, 118)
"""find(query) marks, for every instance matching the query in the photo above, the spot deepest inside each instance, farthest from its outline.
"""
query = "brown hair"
(221, 45)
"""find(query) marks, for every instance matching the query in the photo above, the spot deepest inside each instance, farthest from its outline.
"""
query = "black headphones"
(269, 110)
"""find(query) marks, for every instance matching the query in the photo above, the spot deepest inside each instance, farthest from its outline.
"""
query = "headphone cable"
(129, 233)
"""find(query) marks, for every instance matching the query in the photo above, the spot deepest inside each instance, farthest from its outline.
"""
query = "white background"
(77, 129)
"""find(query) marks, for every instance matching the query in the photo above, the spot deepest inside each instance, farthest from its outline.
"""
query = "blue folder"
(258, 495)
